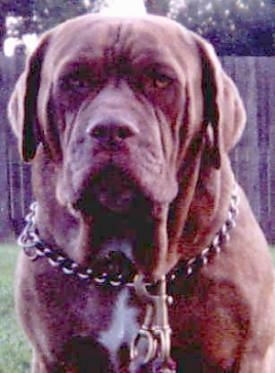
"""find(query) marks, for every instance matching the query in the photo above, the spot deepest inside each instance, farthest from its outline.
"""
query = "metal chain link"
(117, 269)
(187, 268)
(101, 273)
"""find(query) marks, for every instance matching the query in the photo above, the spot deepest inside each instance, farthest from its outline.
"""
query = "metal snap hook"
(153, 341)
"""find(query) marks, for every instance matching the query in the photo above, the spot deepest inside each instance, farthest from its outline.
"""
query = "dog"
(128, 123)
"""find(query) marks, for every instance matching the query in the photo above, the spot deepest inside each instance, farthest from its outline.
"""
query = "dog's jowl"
(128, 123)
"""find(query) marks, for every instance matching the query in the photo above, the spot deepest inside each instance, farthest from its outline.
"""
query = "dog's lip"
(116, 202)
(110, 188)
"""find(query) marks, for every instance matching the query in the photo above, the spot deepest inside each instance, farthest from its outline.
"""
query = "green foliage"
(14, 349)
(239, 27)
(40, 15)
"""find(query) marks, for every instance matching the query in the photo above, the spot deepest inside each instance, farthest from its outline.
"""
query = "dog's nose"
(111, 131)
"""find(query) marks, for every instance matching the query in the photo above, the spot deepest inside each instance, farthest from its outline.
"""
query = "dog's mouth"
(114, 208)
(111, 189)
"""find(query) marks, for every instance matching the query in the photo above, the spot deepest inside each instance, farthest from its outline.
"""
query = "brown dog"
(128, 124)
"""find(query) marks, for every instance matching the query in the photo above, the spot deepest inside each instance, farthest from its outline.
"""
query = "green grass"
(14, 349)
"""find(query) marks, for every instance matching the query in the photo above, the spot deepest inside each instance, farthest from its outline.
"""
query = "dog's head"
(118, 105)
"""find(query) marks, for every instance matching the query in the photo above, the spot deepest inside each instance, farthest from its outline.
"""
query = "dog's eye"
(77, 83)
(161, 81)
(157, 80)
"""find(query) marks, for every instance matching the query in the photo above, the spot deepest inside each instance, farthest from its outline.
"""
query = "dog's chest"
(123, 326)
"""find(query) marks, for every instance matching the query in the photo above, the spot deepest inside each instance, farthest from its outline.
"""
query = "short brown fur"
(104, 100)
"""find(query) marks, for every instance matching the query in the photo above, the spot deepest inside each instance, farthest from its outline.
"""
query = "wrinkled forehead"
(110, 40)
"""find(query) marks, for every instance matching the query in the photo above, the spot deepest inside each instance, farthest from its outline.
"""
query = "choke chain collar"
(116, 269)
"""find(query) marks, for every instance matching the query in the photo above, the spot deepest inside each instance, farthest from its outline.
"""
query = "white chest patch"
(123, 327)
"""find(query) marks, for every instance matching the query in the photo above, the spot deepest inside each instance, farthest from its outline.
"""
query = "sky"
(124, 7)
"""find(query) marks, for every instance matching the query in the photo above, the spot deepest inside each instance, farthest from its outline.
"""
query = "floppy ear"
(224, 113)
(22, 107)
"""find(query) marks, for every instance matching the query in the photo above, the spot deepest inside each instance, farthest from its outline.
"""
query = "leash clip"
(153, 341)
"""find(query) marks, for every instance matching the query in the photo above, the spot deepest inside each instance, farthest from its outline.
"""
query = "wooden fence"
(253, 159)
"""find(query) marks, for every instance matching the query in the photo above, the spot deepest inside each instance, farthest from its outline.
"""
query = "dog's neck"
(115, 264)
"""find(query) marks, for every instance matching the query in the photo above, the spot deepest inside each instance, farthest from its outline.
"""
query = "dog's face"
(118, 103)
(117, 106)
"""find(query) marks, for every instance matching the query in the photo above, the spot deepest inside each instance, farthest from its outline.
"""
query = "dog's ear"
(22, 107)
(224, 113)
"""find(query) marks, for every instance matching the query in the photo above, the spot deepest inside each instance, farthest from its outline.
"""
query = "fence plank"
(5, 227)
(242, 71)
(267, 121)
